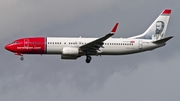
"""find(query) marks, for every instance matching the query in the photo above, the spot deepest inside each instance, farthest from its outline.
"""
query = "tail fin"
(157, 29)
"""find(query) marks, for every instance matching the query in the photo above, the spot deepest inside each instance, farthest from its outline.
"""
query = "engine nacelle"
(70, 53)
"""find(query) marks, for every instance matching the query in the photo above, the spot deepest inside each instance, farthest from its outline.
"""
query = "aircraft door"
(76, 44)
(26, 43)
(140, 44)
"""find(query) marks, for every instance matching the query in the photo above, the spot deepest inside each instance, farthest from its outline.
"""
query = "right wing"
(93, 46)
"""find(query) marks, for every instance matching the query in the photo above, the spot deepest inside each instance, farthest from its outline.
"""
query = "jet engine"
(70, 53)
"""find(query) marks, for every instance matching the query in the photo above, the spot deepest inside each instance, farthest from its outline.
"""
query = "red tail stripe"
(166, 11)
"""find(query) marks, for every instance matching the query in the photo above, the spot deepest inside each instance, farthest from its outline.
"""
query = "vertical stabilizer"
(158, 28)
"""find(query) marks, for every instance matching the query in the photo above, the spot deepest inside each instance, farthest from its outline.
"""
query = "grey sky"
(147, 76)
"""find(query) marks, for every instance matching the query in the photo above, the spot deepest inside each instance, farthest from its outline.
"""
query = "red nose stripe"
(35, 45)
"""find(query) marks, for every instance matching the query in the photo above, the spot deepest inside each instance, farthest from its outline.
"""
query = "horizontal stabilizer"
(163, 40)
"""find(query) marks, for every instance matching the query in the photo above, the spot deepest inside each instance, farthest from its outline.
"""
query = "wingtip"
(115, 28)
(172, 36)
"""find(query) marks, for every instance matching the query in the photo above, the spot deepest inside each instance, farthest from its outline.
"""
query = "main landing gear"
(88, 59)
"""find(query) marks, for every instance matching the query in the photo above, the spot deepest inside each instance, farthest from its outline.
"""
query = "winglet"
(114, 29)
(166, 12)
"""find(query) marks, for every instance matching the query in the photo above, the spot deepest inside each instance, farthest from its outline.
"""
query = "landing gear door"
(26, 43)
(140, 44)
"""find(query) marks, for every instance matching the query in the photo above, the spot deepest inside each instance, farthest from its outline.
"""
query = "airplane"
(75, 47)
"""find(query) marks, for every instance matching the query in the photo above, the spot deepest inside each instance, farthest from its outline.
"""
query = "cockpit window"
(15, 42)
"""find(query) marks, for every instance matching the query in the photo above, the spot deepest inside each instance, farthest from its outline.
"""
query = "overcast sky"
(148, 76)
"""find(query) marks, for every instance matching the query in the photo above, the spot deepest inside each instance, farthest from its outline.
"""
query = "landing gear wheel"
(22, 58)
(88, 59)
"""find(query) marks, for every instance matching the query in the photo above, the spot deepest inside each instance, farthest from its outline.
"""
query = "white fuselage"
(112, 46)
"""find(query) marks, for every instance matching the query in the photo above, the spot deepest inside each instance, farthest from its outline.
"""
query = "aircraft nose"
(7, 47)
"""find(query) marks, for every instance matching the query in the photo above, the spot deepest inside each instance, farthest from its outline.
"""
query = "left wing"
(93, 46)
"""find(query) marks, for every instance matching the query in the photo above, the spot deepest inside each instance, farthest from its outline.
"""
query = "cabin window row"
(118, 44)
(85, 43)
(54, 42)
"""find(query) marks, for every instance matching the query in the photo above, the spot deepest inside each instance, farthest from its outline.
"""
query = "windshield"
(15, 42)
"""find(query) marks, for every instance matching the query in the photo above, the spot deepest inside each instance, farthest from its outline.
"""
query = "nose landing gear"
(21, 58)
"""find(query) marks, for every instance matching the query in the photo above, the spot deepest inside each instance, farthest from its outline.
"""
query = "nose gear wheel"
(22, 58)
